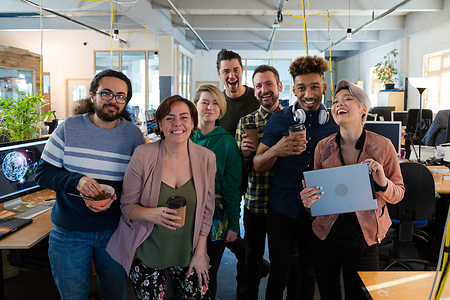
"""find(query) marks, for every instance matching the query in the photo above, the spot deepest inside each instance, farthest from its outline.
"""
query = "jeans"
(328, 258)
(71, 253)
(284, 233)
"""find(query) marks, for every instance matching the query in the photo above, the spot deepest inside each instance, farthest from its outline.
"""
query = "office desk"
(25, 238)
(444, 188)
(400, 285)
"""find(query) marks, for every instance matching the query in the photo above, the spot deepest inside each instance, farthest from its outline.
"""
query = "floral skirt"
(150, 284)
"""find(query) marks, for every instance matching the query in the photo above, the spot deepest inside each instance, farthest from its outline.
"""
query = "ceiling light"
(349, 33)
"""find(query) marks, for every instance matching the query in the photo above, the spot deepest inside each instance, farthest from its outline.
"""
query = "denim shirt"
(287, 182)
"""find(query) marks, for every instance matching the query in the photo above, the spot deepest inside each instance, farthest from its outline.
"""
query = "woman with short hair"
(350, 240)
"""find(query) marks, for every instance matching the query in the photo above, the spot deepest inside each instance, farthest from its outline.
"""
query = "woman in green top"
(211, 105)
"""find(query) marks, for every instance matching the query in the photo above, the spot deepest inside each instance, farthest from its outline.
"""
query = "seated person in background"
(149, 241)
(437, 134)
(351, 240)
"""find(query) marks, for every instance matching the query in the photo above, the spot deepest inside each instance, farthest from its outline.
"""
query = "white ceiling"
(231, 24)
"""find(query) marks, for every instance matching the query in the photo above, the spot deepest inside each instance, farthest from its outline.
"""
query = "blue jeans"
(71, 253)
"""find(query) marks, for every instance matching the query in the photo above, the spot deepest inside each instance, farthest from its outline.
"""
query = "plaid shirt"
(257, 195)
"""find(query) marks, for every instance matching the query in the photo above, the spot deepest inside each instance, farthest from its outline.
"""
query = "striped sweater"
(79, 148)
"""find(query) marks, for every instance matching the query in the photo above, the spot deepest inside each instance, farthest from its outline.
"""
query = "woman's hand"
(163, 216)
(377, 172)
(89, 187)
(104, 207)
(199, 265)
(310, 195)
(231, 236)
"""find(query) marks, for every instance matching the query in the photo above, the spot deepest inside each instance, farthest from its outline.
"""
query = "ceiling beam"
(281, 36)
(216, 22)
(316, 5)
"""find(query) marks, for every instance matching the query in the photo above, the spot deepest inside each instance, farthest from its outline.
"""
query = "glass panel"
(13, 79)
(251, 66)
(282, 67)
(79, 92)
(153, 81)
(188, 79)
(133, 65)
(180, 76)
(103, 61)
(45, 84)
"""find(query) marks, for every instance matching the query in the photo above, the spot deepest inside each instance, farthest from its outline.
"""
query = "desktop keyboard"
(35, 211)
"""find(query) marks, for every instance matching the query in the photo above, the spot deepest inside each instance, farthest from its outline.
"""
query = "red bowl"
(106, 188)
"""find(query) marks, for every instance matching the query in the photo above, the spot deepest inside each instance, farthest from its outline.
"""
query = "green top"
(229, 169)
(162, 249)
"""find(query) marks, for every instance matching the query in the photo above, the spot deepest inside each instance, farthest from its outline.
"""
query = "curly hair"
(307, 65)
(110, 73)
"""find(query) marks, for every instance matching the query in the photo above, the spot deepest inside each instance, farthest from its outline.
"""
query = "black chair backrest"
(419, 202)
(447, 140)
(413, 121)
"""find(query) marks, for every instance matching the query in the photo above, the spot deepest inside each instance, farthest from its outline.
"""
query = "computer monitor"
(18, 162)
(389, 129)
(399, 115)
(383, 112)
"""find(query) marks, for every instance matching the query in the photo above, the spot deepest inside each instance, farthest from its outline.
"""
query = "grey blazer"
(141, 187)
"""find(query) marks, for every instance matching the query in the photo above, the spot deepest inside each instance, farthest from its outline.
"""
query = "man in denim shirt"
(288, 223)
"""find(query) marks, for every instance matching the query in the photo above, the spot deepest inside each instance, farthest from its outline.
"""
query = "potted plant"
(385, 70)
(22, 116)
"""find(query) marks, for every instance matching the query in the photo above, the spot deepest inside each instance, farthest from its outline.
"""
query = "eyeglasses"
(106, 96)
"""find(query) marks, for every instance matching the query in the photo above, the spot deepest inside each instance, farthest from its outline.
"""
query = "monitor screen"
(391, 130)
(383, 112)
(399, 116)
(18, 163)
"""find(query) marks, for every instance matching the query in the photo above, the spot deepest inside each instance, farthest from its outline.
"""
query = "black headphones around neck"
(300, 114)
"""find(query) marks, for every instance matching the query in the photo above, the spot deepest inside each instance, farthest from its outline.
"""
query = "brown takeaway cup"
(178, 203)
(299, 129)
(252, 133)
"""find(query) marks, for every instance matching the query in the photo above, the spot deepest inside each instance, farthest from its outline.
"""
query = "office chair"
(412, 213)
(412, 128)
(413, 124)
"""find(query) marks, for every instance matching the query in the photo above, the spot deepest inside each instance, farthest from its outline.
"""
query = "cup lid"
(250, 126)
(176, 202)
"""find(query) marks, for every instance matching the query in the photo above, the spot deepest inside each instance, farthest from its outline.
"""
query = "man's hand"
(289, 145)
(247, 146)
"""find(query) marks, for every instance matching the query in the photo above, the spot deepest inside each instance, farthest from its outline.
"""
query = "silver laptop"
(346, 189)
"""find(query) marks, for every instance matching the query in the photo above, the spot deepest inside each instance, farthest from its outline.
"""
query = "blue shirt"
(287, 181)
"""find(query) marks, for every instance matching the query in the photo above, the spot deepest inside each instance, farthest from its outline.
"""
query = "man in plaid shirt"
(267, 85)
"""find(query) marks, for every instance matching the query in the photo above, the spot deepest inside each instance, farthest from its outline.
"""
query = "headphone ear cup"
(324, 116)
(299, 116)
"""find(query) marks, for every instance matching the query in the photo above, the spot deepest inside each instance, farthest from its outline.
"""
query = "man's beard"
(107, 117)
(270, 104)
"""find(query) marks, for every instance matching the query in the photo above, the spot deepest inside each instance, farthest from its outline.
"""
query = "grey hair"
(356, 92)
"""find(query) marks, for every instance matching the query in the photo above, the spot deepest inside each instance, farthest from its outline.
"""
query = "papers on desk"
(18, 205)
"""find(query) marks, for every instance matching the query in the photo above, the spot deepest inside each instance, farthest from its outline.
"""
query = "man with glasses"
(85, 151)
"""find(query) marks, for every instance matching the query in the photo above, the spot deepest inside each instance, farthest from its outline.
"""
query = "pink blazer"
(141, 187)
(374, 224)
